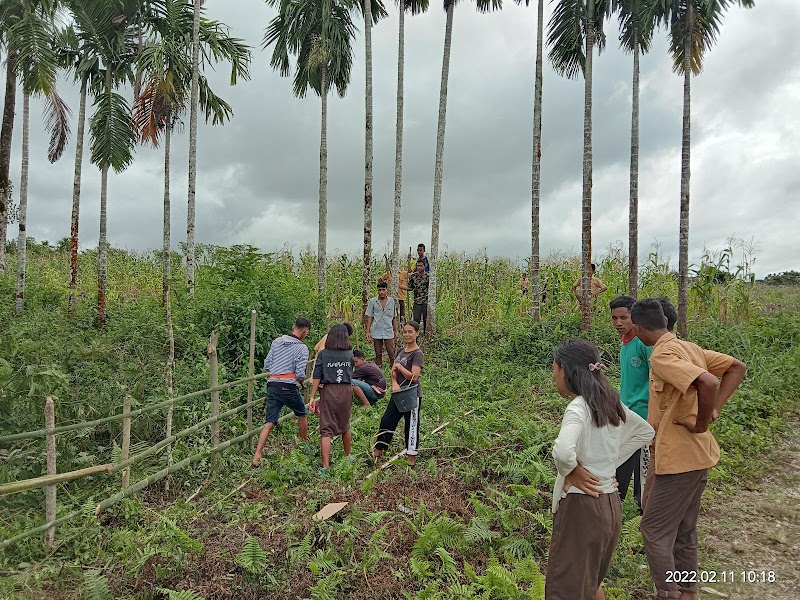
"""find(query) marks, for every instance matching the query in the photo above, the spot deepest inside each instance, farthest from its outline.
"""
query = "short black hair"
(421, 246)
(382, 284)
(622, 302)
(648, 314)
(338, 339)
(421, 262)
(594, 267)
(358, 353)
(669, 312)
(302, 323)
(349, 326)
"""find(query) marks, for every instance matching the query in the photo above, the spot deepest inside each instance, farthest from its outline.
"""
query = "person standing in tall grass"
(685, 397)
(333, 370)
(418, 284)
(634, 391)
(598, 433)
(405, 372)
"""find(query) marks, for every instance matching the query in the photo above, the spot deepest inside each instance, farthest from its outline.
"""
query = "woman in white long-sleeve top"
(597, 434)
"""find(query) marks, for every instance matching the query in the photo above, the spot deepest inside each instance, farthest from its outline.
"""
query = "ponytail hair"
(583, 376)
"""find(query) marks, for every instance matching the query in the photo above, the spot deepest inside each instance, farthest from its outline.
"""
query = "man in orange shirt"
(685, 397)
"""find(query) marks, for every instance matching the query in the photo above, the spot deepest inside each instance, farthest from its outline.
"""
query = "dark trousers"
(402, 311)
(389, 421)
(378, 345)
(421, 315)
(669, 528)
(631, 468)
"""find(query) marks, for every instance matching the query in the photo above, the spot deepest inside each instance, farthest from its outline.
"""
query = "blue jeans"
(371, 394)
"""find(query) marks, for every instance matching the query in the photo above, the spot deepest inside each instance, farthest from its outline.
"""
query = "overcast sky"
(258, 175)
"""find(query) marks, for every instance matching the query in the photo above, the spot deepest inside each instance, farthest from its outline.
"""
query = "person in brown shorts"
(333, 370)
(685, 397)
(598, 433)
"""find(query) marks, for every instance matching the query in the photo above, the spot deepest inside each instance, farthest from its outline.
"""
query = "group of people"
(341, 373)
(596, 286)
(655, 430)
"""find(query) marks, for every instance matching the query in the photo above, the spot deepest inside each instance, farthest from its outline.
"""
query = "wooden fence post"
(251, 369)
(50, 490)
(214, 370)
(126, 440)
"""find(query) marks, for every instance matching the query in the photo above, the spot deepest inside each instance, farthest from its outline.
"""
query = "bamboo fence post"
(50, 491)
(170, 390)
(126, 440)
(251, 369)
(214, 371)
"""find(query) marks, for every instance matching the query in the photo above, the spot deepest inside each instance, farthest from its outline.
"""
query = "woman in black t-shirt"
(333, 369)
(405, 371)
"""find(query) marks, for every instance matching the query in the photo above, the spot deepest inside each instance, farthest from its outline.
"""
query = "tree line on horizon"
(155, 46)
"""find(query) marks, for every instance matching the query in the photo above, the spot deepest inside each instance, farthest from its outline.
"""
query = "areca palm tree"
(636, 32)
(320, 35)
(165, 68)
(693, 26)
(575, 28)
(370, 16)
(414, 7)
(29, 34)
(483, 6)
(536, 165)
(193, 108)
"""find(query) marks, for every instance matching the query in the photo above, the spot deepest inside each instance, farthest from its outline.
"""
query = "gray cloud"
(258, 175)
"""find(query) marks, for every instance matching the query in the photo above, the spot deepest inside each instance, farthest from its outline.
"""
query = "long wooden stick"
(126, 440)
(170, 378)
(251, 369)
(213, 367)
(87, 424)
(50, 491)
(52, 480)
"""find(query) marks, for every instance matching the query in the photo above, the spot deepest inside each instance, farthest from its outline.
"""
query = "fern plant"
(180, 595)
(95, 586)
(252, 557)
(300, 552)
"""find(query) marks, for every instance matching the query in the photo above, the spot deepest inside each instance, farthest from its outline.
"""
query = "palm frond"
(56, 121)
(111, 132)
(31, 38)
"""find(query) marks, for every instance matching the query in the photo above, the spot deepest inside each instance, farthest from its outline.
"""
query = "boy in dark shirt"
(369, 382)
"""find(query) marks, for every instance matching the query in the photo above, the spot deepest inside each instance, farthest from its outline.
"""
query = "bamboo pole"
(181, 434)
(170, 391)
(49, 525)
(213, 367)
(135, 413)
(50, 491)
(52, 480)
(126, 440)
(140, 485)
(251, 369)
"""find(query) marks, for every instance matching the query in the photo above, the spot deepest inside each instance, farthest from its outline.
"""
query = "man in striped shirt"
(286, 364)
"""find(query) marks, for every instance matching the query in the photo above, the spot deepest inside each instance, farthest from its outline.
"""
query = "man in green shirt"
(634, 369)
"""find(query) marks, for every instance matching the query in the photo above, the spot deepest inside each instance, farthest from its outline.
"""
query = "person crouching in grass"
(333, 370)
(369, 382)
(598, 433)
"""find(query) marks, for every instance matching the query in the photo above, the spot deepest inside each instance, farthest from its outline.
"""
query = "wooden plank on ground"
(329, 510)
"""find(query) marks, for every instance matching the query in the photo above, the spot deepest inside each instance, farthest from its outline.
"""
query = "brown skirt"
(335, 406)
(585, 533)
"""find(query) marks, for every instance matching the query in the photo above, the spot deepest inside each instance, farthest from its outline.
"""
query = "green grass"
(471, 521)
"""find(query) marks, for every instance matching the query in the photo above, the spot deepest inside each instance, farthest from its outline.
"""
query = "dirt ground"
(758, 532)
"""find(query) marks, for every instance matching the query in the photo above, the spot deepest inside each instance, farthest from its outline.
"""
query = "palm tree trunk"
(76, 202)
(683, 241)
(586, 209)
(102, 250)
(633, 211)
(438, 170)
(165, 259)
(365, 287)
(322, 238)
(6, 133)
(536, 169)
(398, 154)
(23, 202)
(195, 99)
